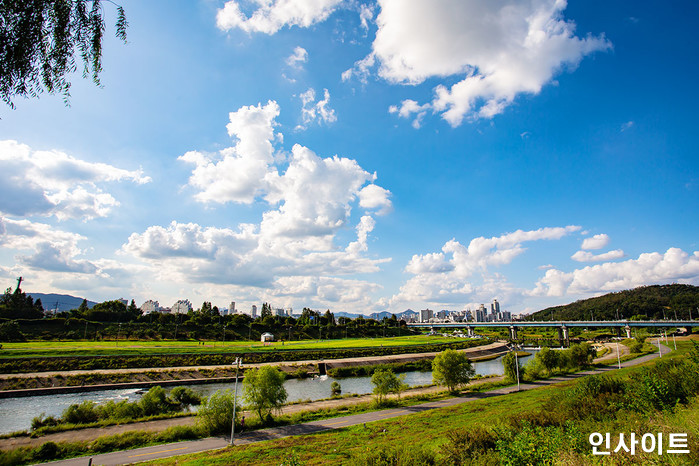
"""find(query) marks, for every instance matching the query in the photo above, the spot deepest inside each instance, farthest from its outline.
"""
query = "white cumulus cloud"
(586, 256)
(595, 242)
(500, 49)
(269, 16)
(675, 265)
(54, 183)
(460, 274)
(297, 240)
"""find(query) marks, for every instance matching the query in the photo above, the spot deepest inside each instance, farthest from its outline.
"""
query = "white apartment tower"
(183, 306)
(150, 306)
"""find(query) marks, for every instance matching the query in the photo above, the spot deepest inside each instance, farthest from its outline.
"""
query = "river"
(17, 413)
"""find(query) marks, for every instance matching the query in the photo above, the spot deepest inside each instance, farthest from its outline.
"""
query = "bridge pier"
(563, 336)
(513, 332)
(628, 331)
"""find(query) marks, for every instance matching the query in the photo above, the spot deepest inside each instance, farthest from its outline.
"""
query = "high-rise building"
(495, 307)
(426, 315)
(183, 306)
(253, 312)
(150, 306)
(231, 308)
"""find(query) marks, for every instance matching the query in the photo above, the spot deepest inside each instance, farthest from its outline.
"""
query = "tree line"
(21, 317)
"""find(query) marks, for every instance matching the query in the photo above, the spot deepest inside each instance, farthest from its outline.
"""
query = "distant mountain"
(647, 302)
(61, 302)
(349, 315)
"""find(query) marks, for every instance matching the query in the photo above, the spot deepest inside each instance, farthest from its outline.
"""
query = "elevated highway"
(562, 325)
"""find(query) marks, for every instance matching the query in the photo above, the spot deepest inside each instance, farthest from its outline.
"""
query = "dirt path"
(156, 426)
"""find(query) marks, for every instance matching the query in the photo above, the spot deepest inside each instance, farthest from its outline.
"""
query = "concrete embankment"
(189, 375)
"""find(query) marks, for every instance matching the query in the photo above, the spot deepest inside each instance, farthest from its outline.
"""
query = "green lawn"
(127, 347)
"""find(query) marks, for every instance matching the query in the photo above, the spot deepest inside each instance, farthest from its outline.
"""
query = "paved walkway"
(166, 451)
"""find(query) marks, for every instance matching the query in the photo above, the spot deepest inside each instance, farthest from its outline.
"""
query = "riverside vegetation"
(215, 417)
(549, 425)
(156, 403)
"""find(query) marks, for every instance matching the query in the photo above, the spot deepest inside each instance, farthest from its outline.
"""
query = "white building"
(253, 312)
(231, 308)
(426, 315)
(183, 306)
(150, 306)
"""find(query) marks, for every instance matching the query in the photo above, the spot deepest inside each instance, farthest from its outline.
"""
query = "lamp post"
(516, 364)
(235, 398)
(618, 356)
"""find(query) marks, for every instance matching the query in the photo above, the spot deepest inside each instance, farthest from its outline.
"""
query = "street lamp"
(517, 366)
(235, 397)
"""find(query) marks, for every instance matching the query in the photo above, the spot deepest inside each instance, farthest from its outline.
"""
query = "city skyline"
(363, 157)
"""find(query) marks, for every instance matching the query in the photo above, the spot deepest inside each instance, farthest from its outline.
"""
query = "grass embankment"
(543, 426)
(135, 347)
(327, 350)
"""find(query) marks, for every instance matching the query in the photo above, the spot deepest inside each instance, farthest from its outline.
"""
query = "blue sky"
(363, 156)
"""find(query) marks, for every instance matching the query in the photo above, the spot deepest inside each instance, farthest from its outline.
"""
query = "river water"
(17, 413)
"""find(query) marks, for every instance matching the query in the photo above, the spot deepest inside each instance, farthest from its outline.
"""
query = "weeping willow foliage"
(41, 41)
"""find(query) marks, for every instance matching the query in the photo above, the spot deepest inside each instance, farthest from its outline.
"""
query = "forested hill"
(644, 303)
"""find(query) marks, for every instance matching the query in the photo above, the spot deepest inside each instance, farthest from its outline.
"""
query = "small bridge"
(562, 325)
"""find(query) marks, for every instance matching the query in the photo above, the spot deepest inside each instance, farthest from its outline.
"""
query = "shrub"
(120, 442)
(581, 355)
(464, 445)
(335, 389)
(216, 413)
(47, 451)
(512, 367)
(548, 358)
(41, 421)
(185, 397)
(156, 401)
(452, 369)
(385, 382)
(405, 456)
(84, 413)
(533, 369)
(538, 445)
(263, 390)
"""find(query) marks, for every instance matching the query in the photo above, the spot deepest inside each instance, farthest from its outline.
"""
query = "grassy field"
(430, 430)
(126, 347)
